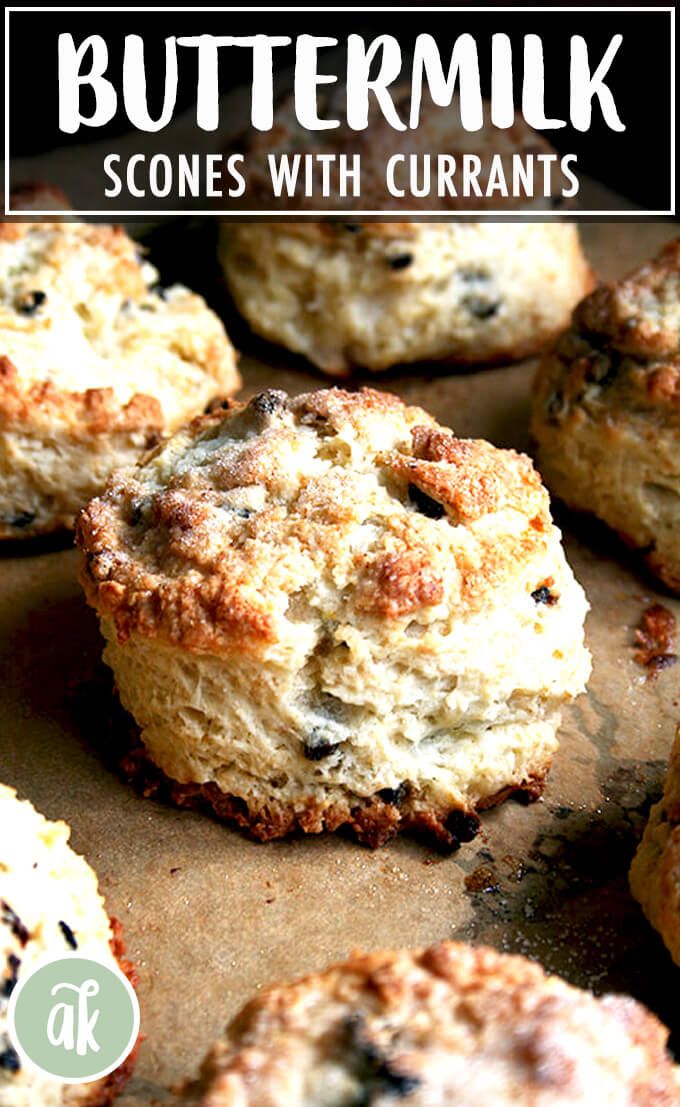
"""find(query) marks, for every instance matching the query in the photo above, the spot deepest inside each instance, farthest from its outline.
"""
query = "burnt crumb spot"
(12, 920)
(396, 796)
(375, 1072)
(9, 1060)
(425, 504)
(480, 308)
(484, 879)
(31, 302)
(544, 595)
(22, 519)
(9, 983)
(68, 934)
(660, 662)
(400, 261)
(353, 228)
(462, 827)
(655, 640)
(317, 751)
(269, 401)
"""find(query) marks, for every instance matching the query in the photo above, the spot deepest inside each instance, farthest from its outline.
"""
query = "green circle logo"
(74, 1019)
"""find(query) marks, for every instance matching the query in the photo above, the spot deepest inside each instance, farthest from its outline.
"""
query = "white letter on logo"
(70, 80)
(464, 65)
(64, 1037)
(308, 79)
(533, 86)
(358, 85)
(134, 84)
(85, 1027)
(583, 87)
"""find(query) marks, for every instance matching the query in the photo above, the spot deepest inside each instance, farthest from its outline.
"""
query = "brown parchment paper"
(211, 917)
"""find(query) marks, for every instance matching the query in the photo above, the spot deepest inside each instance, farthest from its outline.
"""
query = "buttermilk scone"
(49, 905)
(607, 411)
(329, 609)
(379, 294)
(450, 1025)
(96, 360)
(655, 872)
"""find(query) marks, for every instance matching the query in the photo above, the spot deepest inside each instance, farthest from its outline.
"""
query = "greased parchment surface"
(211, 917)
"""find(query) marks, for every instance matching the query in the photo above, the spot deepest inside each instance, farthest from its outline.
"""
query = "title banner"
(347, 111)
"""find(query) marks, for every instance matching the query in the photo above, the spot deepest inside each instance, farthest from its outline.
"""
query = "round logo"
(74, 1019)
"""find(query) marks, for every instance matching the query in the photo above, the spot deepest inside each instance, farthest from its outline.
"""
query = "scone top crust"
(623, 350)
(449, 1024)
(331, 507)
(90, 342)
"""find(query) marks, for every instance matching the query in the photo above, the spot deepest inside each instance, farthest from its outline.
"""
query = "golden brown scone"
(380, 294)
(96, 361)
(447, 1025)
(607, 411)
(49, 905)
(329, 609)
(655, 872)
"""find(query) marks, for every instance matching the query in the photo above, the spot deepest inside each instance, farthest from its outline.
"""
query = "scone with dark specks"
(376, 295)
(329, 610)
(97, 361)
(49, 906)
(607, 411)
(450, 1025)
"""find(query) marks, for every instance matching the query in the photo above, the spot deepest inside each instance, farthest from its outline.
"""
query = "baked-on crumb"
(606, 415)
(451, 1024)
(655, 640)
(327, 610)
(97, 361)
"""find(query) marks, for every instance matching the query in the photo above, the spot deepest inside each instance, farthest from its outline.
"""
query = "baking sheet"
(210, 917)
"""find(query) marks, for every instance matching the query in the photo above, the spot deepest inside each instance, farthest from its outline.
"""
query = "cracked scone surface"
(447, 1025)
(607, 411)
(96, 361)
(329, 609)
(655, 872)
(379, 294)
(49, 905)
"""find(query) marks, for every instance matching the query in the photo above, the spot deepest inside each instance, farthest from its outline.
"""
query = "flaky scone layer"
(310, 601)
(606, 413)
(434, 1027)
(379, 294)
(96, 361)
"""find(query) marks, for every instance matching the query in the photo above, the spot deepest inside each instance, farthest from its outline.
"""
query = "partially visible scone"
(49, 905)
(607, 411)
(655, 872)
(329, 609)
(450, 1025)
(380, 294)
(96, 361)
